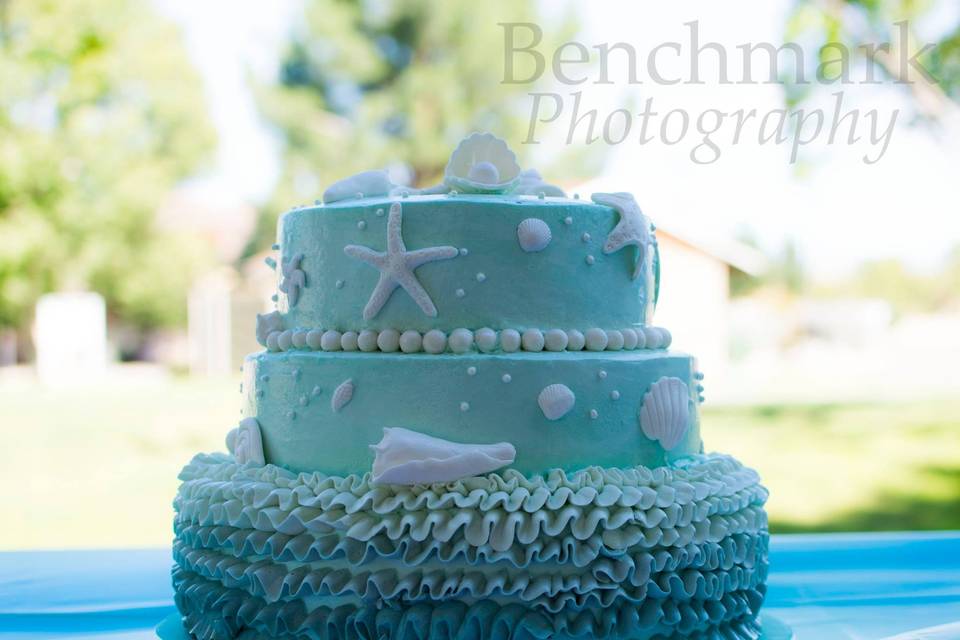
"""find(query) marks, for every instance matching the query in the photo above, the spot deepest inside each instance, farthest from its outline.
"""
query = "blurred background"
(147, 149)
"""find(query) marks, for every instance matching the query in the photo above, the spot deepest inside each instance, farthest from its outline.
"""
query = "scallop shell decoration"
(665, 412)
(533, 235)
(368, 184)
(267, 323)
(556, 401)
(408, 457)
(482, 163)
(342, 395)
(244, 442)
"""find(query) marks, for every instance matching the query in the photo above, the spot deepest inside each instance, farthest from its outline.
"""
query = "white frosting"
(244, 442)
(665, 412)
(556, 401)
(342, 395)
(407, 457)
(397, 266)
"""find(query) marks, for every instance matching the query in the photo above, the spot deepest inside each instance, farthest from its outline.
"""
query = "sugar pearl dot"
(602, 374)
(367, 340)
(614, 340)
(388, 340)
(585, 237)
(348, 341)
(594, 414)
(434, 341)
(596, 339)
(568, 221)
(463, 251)
(629, 339)
(590, 259)
(273, 341)
(506, 377)
(461, 340)
(379, 213)
(295, 374)
(411, 341)
(532, 340)
(464, 406)
(614, 395)
(486, 339)
(555, 340)
(460, 293)
(575, 340)
(481, 277)
(314, 338)
(471, 371)
(304, 401)
(292, 415)
(509, 340)
(285, 340)
(339, 284)
(330, 341)
(362, 225)
(316, 391)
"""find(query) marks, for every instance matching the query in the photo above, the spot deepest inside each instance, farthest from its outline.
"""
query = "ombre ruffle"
(667, 548)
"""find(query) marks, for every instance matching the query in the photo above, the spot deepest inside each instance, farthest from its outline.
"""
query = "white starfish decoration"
(293, 279)
(397, 265)
(633, 228)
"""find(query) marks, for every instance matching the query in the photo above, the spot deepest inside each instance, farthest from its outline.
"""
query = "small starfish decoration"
(633, 228)
(397, 265)
(294, 279)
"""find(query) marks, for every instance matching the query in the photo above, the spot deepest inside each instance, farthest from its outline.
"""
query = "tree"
(100, 115)
(365, 85)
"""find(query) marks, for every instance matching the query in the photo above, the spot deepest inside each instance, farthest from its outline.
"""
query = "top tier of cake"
(448, 261)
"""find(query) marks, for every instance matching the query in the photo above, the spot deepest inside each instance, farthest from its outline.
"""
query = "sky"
(837, 209)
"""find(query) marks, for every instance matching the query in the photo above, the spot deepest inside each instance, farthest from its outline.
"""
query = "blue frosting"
(555, 287)
(289, 394)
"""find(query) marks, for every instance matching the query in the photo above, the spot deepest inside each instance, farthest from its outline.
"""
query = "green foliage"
(100, 115)
(366, 85)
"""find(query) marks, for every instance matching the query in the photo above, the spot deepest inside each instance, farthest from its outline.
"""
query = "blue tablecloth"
(849, 586)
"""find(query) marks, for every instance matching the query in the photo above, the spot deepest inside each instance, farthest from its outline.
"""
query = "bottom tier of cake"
(670, 552)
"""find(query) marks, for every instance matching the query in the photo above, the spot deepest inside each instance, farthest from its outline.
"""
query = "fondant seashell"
(533, 235)
(532, 184)
(342, 395)
(665, 412)
(368, 184)
(408, 457)
(244, 442)
(556, 401)
(267, 323)
(482, 163)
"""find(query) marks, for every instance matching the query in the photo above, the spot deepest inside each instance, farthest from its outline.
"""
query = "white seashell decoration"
(531, 184)
(533, 235)
(368, 184)
(556, 401)
(665, 411)
(244, 442)
(408, 457)
(342, 395)
(267, 323)
(482, 163)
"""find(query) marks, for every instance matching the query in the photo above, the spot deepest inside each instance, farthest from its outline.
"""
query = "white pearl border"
(484, 340)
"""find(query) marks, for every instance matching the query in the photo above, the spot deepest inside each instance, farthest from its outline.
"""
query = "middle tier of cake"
(321, 411)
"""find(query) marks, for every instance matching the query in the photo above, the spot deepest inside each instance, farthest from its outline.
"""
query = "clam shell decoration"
(556, 401)
(665, 412)
(407, 457)
(533, 234)
(267, 323)
(482, 163)
(244, 442)
(368, 184)
(342, 395)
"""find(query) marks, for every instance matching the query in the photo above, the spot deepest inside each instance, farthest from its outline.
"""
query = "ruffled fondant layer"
(212, 611)
(672, 550)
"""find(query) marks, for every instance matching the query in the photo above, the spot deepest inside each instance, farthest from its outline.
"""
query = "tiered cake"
(464, 426)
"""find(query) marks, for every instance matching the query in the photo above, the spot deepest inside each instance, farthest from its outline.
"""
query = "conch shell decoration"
(244, 442)
(407, 457)
(665, 412)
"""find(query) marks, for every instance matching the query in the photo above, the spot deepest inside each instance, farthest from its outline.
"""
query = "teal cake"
(465, 425)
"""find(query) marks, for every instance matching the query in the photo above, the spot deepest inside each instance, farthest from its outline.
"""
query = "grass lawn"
(97, 467)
